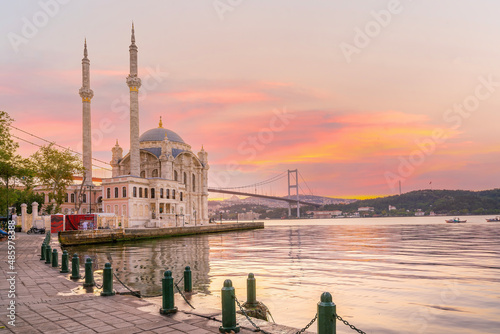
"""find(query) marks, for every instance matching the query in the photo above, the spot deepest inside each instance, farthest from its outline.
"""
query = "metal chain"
(308, 325)
(347, 323)
(263, 331)
(183, 296)
(248, 317)
(133, 292)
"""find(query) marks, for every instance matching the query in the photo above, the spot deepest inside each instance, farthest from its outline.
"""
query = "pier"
(84, 237)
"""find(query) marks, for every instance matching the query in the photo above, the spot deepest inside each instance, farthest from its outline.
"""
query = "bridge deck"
(289, 200)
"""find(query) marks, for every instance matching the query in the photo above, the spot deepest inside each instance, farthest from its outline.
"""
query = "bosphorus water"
(386, 275)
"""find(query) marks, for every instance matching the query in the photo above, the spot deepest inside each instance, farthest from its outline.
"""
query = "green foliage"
(54, 171)
(7, 146)
(13, 168)
(457, 202)
(27, 196)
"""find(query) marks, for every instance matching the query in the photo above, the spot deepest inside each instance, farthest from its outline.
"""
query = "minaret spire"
(134, 83)
(85, 54)
(132, 39)
(86, 94)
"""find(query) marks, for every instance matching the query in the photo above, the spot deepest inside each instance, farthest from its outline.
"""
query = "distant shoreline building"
(325, 214)
(366, 209)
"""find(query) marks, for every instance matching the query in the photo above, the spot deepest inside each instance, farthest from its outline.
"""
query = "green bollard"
(75, 267)
(107, 281)
(228, 309)
(55, 260)
(326, 315)
(64, 263)
(89, 273)
(251, 291)
(167, 284)
(188, 281)
(48, 254)
(42, 257)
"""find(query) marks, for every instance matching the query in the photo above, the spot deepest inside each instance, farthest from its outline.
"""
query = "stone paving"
(46, 302)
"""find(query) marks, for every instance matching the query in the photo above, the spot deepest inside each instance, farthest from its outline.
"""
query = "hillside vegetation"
(451, 202)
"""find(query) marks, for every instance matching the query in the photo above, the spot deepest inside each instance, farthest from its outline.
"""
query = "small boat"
(496, 219)
(455, 220)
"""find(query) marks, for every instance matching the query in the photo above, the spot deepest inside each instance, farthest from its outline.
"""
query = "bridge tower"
(296, 187)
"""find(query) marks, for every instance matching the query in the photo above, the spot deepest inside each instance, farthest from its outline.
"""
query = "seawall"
(85, 237)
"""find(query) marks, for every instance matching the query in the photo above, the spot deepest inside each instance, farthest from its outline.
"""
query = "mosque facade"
(160, 181)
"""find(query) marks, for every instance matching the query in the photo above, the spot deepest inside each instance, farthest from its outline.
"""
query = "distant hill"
(439, 201)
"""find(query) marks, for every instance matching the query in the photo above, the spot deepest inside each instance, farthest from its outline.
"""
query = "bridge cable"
(310, 191)
(254, 185)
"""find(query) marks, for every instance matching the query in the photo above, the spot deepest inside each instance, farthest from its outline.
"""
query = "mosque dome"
(158, 134)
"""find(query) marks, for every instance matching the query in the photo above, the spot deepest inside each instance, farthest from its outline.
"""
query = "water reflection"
(141, 264)
(390, 276)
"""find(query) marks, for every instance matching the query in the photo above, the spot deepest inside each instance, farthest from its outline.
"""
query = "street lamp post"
(75, 192)
(90, 198)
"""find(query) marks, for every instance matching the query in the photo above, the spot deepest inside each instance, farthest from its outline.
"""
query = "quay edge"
(85, 237)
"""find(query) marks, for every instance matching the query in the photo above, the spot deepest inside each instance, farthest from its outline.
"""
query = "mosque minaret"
(134, 83)
(86, 94)
(160, 182)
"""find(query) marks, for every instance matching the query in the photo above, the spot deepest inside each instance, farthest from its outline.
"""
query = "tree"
(12, 166)
(7, 146)
(54, 171)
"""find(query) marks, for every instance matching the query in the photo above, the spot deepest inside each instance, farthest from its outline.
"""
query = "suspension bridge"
(293, 190)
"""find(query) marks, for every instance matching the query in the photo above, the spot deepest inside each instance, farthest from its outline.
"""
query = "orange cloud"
(382, 118)
(223, 96)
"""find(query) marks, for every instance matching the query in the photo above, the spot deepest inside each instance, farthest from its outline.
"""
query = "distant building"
(392, 208)
(419, 212)
(325, 214)
(366, 209)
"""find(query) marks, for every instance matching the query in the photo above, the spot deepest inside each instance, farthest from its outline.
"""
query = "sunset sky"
(357, 95)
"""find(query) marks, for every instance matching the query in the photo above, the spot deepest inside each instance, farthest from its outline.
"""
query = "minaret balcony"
(133, 82)
(86, 94)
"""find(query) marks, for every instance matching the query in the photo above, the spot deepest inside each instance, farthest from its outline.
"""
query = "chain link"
(347, 323)
(183, 296)
(131, 291)
(308, 325)
(248, 318)
(263, 331)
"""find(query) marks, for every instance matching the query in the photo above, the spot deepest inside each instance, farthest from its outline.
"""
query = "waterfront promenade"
(48, 302)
